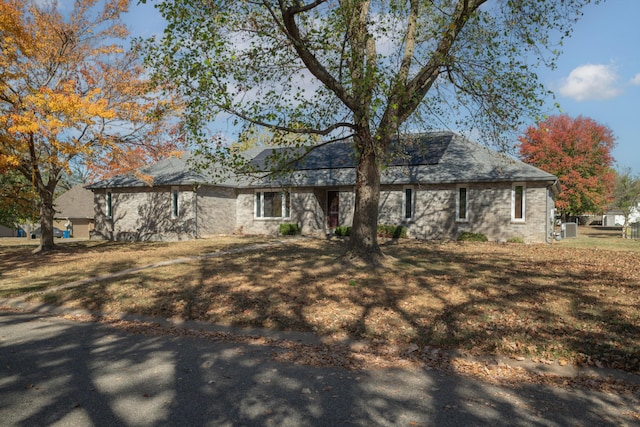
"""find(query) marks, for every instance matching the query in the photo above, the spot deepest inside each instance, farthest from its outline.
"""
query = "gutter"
(546, 223)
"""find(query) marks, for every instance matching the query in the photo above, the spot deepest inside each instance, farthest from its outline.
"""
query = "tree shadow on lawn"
(72, 261)
(24, 272)
(21, 257)
(482, 298)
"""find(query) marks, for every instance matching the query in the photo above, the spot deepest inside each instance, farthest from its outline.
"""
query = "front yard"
(569, 302)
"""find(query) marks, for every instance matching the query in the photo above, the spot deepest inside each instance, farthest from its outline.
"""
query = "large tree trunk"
(47, 212)
(363, 247)
(31, 170)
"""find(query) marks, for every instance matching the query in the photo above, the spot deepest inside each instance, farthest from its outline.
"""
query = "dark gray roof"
(342, 155)
(171, 171)
(430, 158)
(441, 157)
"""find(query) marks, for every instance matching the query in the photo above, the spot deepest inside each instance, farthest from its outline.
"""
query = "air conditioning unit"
(569, 230)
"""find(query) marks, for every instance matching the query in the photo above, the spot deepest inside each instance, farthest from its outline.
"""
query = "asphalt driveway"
(60, 372)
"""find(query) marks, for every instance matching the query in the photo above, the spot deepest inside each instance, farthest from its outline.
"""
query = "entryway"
(333, 209)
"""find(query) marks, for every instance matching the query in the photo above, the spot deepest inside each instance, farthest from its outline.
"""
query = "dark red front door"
(333, 209)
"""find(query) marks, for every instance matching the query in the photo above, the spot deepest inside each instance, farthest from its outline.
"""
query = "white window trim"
(405, 218)
(466, 218)
(260, 215)
(513, 202)
(175, 198)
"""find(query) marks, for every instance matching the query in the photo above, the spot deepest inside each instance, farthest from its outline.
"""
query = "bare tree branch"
(313, 65)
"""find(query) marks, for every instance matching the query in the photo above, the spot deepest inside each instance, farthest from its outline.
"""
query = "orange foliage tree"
(578, 152)
(70, 92)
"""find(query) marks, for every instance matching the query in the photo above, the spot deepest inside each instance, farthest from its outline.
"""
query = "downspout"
(547, 214)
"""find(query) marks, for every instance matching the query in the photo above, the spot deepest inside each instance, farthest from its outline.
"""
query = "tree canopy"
(578, 152)
(70, 92)
(18, 200)
(366, 71)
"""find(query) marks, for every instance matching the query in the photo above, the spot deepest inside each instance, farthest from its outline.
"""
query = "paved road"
(65, 373)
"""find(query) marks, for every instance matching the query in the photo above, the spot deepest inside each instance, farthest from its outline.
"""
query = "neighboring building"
(635, 215)
(74, 211)
(7, 232)
(439, 186)
(615, 217)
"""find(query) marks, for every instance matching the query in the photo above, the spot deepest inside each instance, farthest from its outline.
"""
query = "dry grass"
(547, 302)
(21, 271)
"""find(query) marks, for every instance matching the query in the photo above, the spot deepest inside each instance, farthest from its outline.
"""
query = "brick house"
(439, 185)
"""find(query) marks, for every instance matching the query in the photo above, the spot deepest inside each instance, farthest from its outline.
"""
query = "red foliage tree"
(578, 152)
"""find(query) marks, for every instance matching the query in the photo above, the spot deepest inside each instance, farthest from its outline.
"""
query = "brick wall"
(489, 212)
(306, 210)
(216, 211)
(143, 214)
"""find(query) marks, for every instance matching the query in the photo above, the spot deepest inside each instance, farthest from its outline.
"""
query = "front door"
(333, 209)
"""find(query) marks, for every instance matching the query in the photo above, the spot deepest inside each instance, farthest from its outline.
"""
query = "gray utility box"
(569, 229)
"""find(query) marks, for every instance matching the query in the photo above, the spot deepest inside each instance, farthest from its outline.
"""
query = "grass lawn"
(575, 301)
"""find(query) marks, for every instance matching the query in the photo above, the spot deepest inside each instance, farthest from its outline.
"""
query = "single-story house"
(438, 186)
(74, 211)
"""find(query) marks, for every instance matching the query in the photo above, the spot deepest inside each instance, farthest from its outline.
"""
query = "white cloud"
(591, 81)
(636, 80)
(48, 3)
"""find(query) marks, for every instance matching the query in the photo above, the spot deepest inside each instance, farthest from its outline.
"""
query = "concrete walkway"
(66, 373)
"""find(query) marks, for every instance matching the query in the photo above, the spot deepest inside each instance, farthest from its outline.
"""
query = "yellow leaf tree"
(70, 92)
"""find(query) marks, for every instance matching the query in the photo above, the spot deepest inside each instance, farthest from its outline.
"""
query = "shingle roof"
(171, 171)
(430, 158)
(441, 157)
(75, 203)
(342, 155)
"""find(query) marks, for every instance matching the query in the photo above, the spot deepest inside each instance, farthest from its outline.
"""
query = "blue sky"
(598, 73)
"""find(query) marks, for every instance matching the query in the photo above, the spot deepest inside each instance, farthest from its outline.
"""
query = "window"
(175, 207)
(407, 204)
(272, 204)
(518, 203)
(109, 206)
(462, 204)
